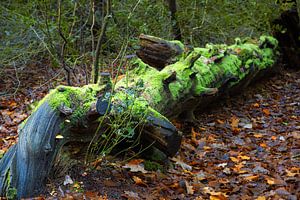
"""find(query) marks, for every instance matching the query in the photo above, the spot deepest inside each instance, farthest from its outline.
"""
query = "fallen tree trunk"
(135, 110)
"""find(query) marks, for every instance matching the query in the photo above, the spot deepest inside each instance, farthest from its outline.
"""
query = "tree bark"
(298, 9)
(158, 52)
(174, 22)
(100, 42)
(134, 110)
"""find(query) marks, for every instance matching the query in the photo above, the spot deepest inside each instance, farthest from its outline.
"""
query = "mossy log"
(136, 109)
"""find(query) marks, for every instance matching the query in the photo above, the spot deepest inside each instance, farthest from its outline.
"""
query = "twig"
(62, 52)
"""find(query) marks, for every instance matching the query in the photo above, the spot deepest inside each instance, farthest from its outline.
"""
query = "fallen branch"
(134, 111)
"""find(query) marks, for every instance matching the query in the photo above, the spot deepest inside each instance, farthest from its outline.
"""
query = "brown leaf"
(234, 159)
(189, 188)
(244, 157)
(194, 137)
(273, 181)
(290, 174)
(135, 161)
(258, 135)
(135, 167)
(217, 197)
(234, 124)
(264, 145)
(220, 121)
(252, 178)
(139, 181)
(256, 105)
(131, 195)
(266, 112)
(261, 198)
(182, 164)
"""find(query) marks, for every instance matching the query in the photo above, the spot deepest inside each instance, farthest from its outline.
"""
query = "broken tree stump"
(136, 110)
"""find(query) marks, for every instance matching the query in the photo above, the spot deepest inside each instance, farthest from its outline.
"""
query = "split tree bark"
(136, 109)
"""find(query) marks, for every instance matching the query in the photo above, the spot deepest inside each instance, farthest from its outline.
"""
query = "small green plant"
(124, 122)
(11, 193)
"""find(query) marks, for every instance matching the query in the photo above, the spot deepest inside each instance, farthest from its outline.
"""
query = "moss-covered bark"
(136, 107)
(200, 72)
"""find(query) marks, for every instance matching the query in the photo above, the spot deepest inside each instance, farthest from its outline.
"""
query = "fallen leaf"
(234, 159)
(131, 195)
(244, 157)
(266, 112)
(214, 195)
(135, 167)
(270, 181)
(273, 137)
(258, 135)
(139, 181)
(234, 121)
(194, 137)
(251, 177)
(135, 161)
(227, 171)
(217, 197)
(222, 165)
(182, 164)
(273, 181)
(248, 126)
(261, 198)
(264, 145)
(290, 174)
(189, 188)
(220, 121)
(256, 105)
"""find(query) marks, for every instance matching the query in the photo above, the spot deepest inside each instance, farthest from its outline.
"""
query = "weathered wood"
(134, 109)
(158, 52)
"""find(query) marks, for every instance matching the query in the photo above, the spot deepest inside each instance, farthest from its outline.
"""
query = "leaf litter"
(245, 147)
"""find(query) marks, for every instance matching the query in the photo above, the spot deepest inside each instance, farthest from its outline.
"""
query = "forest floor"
(243, 147)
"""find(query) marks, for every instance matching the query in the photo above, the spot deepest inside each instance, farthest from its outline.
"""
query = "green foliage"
(11, 193)
(30, 29)
(205, 21)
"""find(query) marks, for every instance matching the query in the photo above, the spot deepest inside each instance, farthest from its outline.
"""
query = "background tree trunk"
(174, 22)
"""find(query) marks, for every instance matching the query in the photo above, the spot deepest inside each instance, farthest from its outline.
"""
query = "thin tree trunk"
(174, 22)
(100, 42)
(298, 9)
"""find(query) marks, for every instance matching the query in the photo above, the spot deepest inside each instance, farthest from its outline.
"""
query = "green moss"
(152, 166)
(79, 99)
(265, 41)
